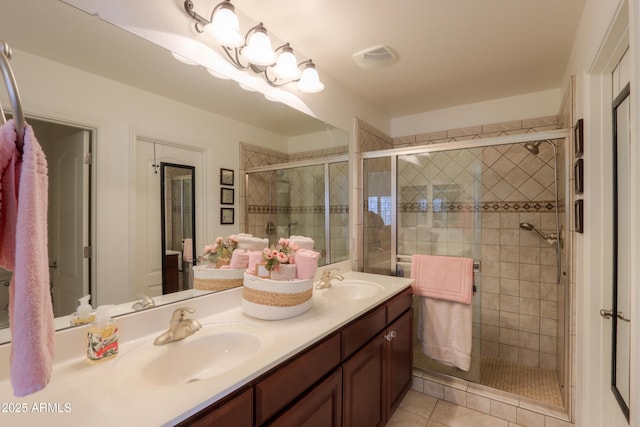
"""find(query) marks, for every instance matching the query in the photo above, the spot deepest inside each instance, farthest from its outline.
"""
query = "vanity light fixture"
(254, 52)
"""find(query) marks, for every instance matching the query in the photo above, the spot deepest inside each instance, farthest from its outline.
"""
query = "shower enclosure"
(303, 199)
(491, 201)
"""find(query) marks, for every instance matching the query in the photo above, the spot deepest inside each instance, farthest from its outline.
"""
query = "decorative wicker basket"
(274, 299)
(216, 279)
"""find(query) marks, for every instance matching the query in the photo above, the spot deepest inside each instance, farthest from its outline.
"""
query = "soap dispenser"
(102, 339)
(84, 313)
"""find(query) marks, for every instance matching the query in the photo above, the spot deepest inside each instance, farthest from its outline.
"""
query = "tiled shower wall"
(516, 310)
(304, 192)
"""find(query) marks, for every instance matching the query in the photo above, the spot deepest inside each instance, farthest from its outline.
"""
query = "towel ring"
(14, 96)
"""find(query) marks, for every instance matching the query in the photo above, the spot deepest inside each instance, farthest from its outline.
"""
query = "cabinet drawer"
(362, 330)
(320, 406)
(235, 411)
(289, 381)
(399, 304)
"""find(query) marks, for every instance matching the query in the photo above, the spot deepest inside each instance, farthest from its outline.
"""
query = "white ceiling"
(450, 52)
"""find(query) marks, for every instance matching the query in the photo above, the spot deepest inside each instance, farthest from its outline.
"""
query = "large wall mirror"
(123, 227)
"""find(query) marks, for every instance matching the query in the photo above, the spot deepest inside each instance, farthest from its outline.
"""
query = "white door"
(68, 220)
(147, 265)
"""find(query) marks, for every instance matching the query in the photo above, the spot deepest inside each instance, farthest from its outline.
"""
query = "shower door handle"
(606, 313)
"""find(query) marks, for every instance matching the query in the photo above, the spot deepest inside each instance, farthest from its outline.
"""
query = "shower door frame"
(394, 153)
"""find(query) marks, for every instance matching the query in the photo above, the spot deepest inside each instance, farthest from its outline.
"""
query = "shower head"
(550, 238)
(533, 147)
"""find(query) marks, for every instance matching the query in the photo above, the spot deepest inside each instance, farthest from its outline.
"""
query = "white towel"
(250, 243)
(302, 242)
(445, 328)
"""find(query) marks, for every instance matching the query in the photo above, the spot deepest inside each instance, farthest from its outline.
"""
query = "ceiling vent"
(374, 57)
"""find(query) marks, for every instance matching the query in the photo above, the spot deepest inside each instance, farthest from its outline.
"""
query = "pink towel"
(239, 259)
(306, 262)
(443, 277)
(187, 250)
(445, 329)
(23, 224)
(255, 258)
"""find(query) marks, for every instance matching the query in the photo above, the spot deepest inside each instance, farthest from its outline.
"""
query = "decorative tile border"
(500, 207)
(265, 209)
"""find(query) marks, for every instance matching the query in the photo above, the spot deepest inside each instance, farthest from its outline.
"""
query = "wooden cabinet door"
(399, 360)
(363, 377)
(320, 407)
(235, 412)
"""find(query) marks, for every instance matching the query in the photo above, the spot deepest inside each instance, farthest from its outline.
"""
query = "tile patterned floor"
(533, 383)
(421, 410)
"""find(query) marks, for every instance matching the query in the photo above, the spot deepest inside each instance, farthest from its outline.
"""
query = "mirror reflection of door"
(177, 195)
(149, 254)
(69, 206)
(622, 261)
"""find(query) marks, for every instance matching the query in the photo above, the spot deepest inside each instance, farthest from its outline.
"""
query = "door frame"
(594, 262)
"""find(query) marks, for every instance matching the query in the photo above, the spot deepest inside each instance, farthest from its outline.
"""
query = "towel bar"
(476, 262)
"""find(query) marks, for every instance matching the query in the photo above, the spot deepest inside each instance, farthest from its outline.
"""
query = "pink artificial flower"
(219, 240)
(282, 258)
(214, 247)
(268, 254)
(233, 239)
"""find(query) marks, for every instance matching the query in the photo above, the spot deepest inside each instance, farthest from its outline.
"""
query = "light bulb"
(287, 67)
(224, 26)
(258, 50)
(310, 80)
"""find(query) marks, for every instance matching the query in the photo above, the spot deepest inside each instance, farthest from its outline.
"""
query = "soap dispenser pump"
(102, 338)
(84, 313)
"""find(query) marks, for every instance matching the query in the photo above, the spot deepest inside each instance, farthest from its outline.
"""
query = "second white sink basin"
(350, 290)
(213, 350)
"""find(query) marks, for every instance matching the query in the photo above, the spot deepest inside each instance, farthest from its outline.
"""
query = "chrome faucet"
(147, 302)
(179, 327)
(326, 278)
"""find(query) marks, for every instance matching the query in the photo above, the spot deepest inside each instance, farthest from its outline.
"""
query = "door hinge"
(88, 158)
(87, 251)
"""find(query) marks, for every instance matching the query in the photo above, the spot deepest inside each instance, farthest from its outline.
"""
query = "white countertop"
(81, 394)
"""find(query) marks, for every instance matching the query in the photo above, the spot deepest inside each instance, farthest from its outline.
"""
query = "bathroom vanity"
(347, 361)
(355, 377)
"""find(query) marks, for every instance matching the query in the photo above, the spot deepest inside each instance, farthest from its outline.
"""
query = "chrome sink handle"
(179, 327)
(325, 279)
(179, 313)
(147, 302)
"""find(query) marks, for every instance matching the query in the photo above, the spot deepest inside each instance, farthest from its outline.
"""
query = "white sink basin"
(350, 290)
(213, 350)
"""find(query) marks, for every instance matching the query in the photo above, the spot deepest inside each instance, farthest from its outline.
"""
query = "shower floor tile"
(533, 383)
(538, 384)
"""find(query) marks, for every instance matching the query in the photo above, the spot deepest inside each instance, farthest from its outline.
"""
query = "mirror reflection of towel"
(187, 250)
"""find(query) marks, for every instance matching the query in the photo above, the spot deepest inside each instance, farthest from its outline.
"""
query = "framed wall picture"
(578, 212)
(578, 138)
(578, 172)
(226, 196)
(226, 215)
(226, 176)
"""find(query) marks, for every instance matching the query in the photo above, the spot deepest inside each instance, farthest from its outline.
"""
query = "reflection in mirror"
(178, 220)
(622, 263)
(68, 152)
(123, 88)
(309, 200)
